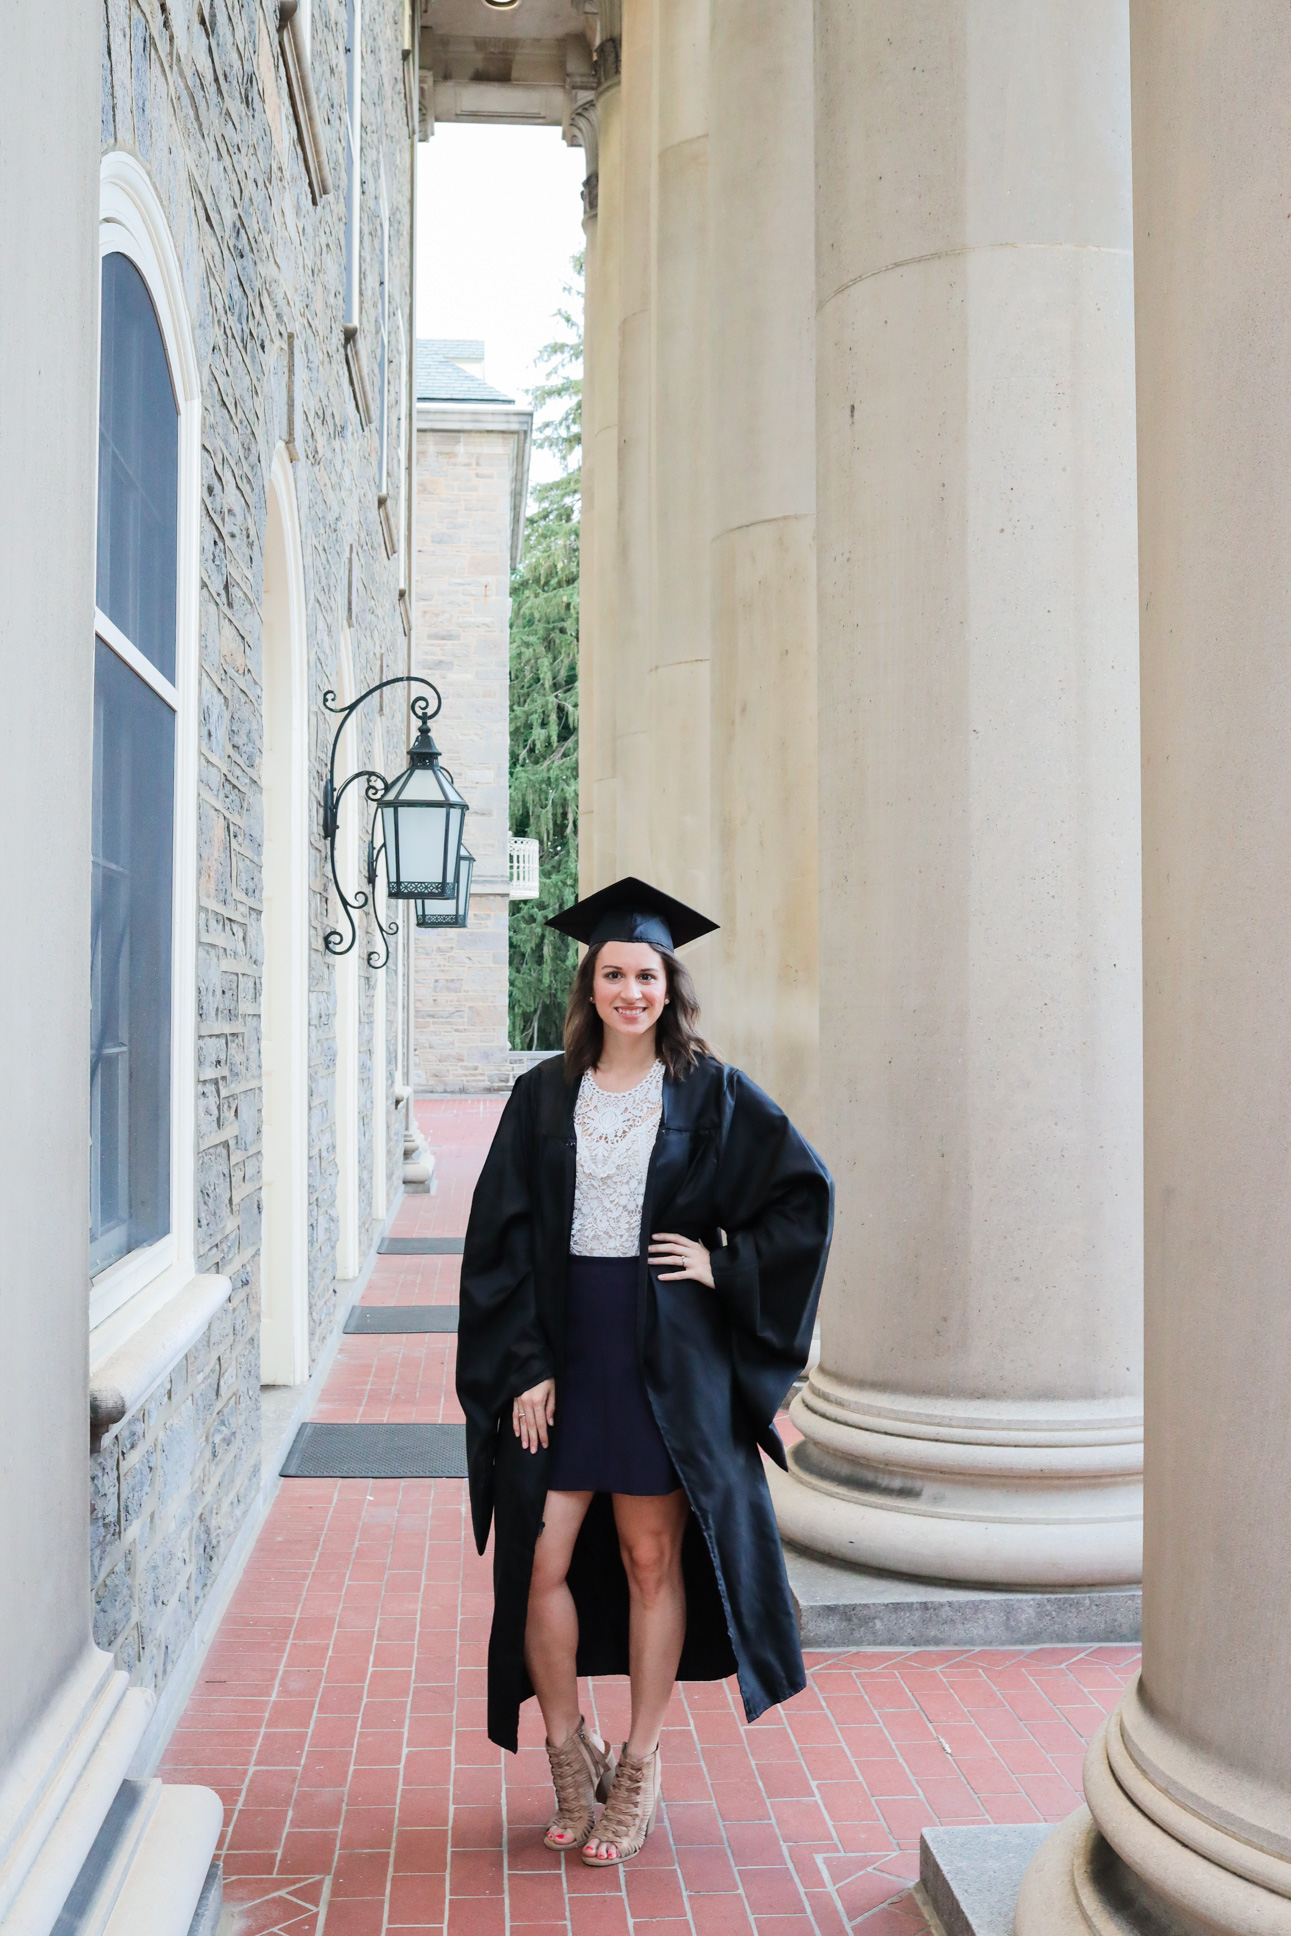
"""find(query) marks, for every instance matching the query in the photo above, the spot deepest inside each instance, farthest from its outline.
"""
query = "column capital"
(584, 133)
(609, 38)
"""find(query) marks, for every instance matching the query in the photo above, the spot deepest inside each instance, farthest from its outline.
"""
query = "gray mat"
(391, 1320)
(377, 1452)
(421, 1246)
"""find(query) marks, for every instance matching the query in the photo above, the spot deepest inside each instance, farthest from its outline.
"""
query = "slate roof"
(440, 380)
(458, 349)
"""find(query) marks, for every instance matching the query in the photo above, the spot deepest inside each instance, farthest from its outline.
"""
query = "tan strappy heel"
(631, 1810)
(581, 1770)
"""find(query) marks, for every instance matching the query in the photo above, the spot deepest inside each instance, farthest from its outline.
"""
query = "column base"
(1113, 1870)
(84, 1848)
(150, 1867)
(1045, 1493)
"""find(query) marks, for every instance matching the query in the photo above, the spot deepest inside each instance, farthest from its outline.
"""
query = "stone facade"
(198, 94)
(168, 1492)
(472, 468)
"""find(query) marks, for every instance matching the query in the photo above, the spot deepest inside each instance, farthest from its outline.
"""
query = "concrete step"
(971, 1876)
(847, 1606)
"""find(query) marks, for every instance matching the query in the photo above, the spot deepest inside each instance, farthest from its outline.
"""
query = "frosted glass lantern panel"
(421, 848)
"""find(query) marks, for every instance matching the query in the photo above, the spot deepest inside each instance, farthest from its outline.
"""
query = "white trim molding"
(284, 1237)
(133, 223)
(293, 33)
(380, 1042)
(346, 970)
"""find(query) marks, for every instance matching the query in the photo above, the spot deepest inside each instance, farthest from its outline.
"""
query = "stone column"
(70, 1724)
(584, 132)
(976, 1415)
(762, 1008)
(633, 644)
(598, 622)
(680, 807)
(1190, 1783)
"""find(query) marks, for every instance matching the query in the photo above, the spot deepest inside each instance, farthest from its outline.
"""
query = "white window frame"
(132, 223)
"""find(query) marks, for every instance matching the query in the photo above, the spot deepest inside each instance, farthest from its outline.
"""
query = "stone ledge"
(971, 1876)
(845, 1606)
(127, 1376)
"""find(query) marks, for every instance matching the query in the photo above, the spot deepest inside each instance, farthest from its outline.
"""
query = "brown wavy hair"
(678, 1043)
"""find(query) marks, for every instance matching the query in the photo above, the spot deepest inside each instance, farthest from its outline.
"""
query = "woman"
(639, 1283)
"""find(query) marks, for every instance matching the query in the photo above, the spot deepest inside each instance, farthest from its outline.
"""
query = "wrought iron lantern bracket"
(375, 785)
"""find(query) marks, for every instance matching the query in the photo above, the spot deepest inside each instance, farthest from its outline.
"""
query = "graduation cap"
(632, 910)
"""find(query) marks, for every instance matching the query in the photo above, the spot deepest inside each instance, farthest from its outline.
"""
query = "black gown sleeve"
(775, 1201)
(501, 1347)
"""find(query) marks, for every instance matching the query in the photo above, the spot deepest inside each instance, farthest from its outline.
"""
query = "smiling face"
(629, 987)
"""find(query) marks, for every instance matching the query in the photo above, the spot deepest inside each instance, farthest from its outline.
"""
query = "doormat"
(377, 1452)
(421, 1246)
(386, 1320)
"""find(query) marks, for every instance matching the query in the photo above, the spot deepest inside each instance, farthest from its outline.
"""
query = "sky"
(499, 215)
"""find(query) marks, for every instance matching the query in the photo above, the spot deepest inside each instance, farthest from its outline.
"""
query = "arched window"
(143, 847)
(134, 776)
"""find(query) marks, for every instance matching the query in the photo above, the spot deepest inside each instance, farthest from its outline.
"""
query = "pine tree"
(544, 699)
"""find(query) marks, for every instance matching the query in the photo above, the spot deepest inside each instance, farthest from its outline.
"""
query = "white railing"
(524, 869)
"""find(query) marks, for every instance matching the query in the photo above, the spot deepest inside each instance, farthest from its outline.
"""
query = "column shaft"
(976, 1414)
(680, 806)
(634, 636)
(763, 1005)
(590, 642)
(1190, 1784)
(598, 856)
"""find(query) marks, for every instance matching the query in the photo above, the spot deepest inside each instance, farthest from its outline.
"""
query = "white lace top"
(615, 1138)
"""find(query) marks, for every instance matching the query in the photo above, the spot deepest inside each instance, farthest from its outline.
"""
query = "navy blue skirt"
(605, 1437)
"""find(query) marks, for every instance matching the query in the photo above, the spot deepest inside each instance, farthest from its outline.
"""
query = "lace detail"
(615, 1139)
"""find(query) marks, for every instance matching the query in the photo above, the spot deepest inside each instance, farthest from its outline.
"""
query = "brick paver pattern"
(340, 1715)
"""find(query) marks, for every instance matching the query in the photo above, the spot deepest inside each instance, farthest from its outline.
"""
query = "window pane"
(138, 468)
(134, 761)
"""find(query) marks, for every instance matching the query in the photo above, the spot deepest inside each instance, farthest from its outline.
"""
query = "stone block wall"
(461, 1004)
(463, 601)
(168, 1492)
(197, 91)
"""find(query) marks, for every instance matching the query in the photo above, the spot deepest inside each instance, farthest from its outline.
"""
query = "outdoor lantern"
(423, 817)
(422, 820)
(454, 913)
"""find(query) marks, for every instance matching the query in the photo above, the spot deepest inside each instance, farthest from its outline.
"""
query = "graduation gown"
(717, 1365)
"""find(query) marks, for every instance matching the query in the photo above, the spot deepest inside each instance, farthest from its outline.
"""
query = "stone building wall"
(197, 91)
(466, 516)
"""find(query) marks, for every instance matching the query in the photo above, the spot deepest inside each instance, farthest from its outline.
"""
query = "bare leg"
(551, 1628)
(650, 1535)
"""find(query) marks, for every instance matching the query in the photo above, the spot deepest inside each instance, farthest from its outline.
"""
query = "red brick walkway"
(340, 1715)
